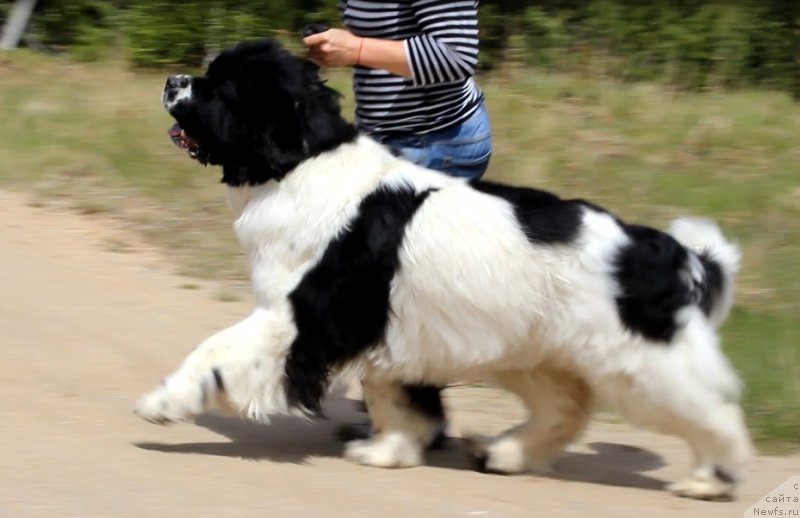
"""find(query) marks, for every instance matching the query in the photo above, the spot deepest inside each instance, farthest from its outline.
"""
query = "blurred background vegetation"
(688, 43)
(653, 109)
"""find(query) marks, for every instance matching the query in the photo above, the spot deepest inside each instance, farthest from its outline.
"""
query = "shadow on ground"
(611, 464)
(284, 439)
(294, 440)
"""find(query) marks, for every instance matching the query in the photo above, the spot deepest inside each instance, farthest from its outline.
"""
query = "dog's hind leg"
(239, 369)
(687, 389)
(402, 427)
(720, 447)
(559, 403)
(427, 398)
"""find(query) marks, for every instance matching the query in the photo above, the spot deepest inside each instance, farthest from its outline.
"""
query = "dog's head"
(258, 112)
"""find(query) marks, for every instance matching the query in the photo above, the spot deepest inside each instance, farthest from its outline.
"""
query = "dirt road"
(85, 329)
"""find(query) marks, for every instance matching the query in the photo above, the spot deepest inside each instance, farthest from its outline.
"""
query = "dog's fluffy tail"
(712, 266)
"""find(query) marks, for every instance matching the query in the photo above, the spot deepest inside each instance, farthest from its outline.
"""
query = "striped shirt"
(441, 43)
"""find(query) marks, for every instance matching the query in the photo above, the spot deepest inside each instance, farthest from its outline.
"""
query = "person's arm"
(338, 47)
(446, 50)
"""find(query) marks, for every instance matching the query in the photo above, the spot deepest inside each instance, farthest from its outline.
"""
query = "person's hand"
(334, 48)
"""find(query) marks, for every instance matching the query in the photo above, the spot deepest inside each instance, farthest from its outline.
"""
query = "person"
(413, 79)
(413, 63)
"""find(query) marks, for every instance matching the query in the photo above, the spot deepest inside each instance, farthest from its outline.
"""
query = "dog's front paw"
(385, 451)
(162, 406)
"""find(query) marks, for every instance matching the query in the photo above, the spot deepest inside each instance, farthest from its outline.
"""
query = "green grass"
(94, 137)
(763, 346)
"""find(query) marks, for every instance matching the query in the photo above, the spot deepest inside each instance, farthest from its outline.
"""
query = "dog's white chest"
(284, 228)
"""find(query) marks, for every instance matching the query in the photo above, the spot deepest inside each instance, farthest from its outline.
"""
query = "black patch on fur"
(259, 111)
(713, 281)
(426, 400)
(544, 217)
(648, 273)
(218, 379)
(341, 306)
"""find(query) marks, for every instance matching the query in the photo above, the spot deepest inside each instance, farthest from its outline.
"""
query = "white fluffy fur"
(472, 298)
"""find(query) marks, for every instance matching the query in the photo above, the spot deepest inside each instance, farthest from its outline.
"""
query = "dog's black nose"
(177, 81)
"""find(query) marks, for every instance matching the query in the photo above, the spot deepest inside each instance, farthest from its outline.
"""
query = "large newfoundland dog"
(365, 263)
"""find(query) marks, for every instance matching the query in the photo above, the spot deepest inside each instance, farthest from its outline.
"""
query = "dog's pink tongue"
(175, 130)
(182, 140)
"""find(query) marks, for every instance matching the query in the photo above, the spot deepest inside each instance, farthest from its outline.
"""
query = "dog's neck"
(357, 167)
(320, 132)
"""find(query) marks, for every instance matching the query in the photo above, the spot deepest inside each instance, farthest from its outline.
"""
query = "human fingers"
(316, 56)
(316, 39)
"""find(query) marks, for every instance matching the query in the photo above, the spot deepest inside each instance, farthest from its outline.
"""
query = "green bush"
(86, 28)
(546, 36)
(696, 44)
(161, 33)
(692, 44)
(689, 43)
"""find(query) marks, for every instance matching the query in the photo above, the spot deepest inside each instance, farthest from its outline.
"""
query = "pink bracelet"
(360, 46)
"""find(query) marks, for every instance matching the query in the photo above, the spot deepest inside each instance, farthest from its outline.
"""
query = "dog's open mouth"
(184, 141)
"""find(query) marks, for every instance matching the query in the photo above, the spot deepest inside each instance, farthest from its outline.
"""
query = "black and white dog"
(362, 262)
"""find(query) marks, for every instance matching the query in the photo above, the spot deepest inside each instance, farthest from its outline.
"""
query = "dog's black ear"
(311, 71)
(283, 113)
(319, 112)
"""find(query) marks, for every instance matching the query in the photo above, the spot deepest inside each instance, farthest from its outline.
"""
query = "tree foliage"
(689, 43)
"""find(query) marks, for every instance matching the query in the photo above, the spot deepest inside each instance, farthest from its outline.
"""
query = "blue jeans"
(462, 150)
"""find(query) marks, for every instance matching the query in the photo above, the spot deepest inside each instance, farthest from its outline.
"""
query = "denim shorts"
(462, 150)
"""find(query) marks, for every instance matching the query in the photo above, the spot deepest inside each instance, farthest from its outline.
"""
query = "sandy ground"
(85, 329)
